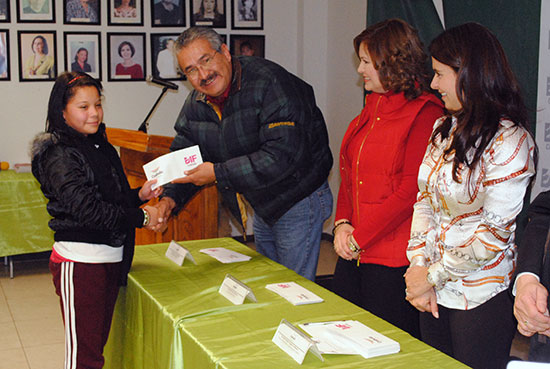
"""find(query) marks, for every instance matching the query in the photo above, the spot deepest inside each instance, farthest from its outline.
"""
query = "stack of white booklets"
(350, 337)
(294, 293)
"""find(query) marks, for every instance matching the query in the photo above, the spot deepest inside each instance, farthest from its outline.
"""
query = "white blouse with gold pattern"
(466, 236)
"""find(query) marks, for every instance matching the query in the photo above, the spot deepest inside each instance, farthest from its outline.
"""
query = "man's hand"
(164, 209)
(201, 175)
(530, 307)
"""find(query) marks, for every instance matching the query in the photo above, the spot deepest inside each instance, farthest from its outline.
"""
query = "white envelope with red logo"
(171, 166)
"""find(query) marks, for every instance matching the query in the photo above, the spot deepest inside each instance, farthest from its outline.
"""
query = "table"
(172, 317)
(23, 216)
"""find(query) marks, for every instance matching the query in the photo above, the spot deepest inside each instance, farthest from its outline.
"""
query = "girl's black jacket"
(90, 199)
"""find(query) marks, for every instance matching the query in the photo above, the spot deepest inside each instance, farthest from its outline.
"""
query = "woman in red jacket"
(379, 160)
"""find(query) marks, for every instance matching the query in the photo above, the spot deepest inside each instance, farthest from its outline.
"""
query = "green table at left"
(23, 216)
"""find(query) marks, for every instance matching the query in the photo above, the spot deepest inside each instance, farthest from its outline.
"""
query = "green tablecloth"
(23, 216)
(172, 317)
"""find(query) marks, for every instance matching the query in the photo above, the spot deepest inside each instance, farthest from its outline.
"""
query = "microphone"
(162, 82)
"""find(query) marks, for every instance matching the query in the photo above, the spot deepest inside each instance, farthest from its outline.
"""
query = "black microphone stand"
(145, 125)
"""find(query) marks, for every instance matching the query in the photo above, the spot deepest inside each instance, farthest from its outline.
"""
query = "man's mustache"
(208, 79)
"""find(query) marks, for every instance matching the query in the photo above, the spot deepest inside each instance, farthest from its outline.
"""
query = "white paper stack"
(224, 255)
(350, 337)
(294, 293)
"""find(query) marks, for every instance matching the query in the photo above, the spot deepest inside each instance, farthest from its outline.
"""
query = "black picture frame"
(74, 44)
(5, 70)
(247, 14)
(116, 17)
(5, 13)
(164, 18)
(163, 63)
(115, 41)
(74, 13)
(198, 18)
(26, 13)
(256, 43)
(47, 69)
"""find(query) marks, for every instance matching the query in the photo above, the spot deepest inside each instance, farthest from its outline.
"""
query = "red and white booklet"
(294, 293)
(350, 337)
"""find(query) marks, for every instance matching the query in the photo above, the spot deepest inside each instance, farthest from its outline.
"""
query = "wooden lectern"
(197, 220)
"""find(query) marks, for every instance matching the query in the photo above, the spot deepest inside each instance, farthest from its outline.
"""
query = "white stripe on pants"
(67, 297)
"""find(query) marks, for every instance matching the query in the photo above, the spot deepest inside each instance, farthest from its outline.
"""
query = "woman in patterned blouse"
(472, 181)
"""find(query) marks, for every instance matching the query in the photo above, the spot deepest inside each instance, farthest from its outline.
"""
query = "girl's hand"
(153, 217)
(146, 193)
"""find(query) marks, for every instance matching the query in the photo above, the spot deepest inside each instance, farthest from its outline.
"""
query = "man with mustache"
(263, 139)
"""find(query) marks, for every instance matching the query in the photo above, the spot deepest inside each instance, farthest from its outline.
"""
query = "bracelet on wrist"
(434, 283)
(146, 218)
(338, 225)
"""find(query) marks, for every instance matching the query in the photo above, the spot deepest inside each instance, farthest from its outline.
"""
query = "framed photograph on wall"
(37, 55)
(77, 12)
(5, 10)
(247, 14)
(167, 13)
(163, 62)
(248, 45)
(208, 13)
(125, 12)
(4, 55)
(83, 52)
(36, 11)
(126, 56)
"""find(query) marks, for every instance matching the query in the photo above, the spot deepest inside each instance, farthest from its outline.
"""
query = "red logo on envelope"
(190, 159)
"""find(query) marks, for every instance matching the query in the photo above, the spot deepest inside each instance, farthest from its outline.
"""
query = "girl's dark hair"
(79, 50)
(132, 48)
(64, 88)
(44, 42)
(398, 56)
(486, 88)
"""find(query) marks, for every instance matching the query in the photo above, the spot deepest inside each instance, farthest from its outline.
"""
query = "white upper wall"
(310, 38)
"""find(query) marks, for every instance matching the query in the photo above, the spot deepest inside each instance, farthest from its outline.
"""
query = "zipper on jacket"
(359, 156)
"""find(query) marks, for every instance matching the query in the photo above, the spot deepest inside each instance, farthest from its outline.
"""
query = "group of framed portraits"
(126, 51)
(246, 14)
(126, 54)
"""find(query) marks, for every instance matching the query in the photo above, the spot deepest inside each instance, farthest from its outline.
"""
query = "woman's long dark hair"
(64, 88)
(486, 88)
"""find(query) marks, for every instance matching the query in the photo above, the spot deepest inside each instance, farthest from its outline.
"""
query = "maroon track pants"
(87, 294)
